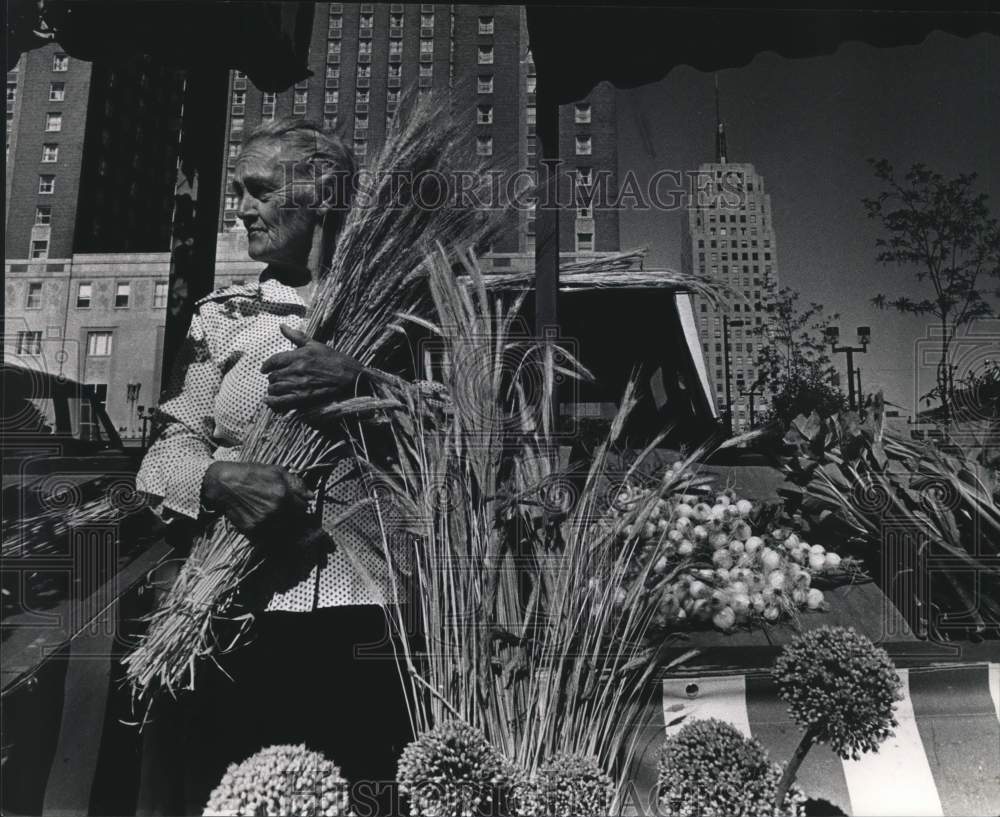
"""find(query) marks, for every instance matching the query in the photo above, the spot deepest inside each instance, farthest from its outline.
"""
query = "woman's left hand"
(310, 375)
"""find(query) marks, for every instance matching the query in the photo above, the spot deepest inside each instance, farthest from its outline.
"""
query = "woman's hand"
(264, 502)
(310, 375)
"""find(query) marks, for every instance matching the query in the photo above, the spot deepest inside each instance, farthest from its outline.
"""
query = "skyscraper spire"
(720, 128)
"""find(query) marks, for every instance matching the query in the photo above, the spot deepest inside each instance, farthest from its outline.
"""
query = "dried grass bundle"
(376, 271)
(528, 635)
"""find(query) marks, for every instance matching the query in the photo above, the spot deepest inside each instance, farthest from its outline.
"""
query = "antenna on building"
(720, 128)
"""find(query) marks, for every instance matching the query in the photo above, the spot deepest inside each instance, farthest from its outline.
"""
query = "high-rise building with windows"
(91, 166)
(365, 57)
(728, 235)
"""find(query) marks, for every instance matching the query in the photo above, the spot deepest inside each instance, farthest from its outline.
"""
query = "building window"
(236, 124)
(582, 114)
(60, 62)
(532, 83)
(486, 25)
(11, 92)
(47, 185)
(299, 102)
(57, 92)
(122, 292)
(427, 46)
(160, 289)
(584, 242)
(360, 148)
(427, 21)
(485, 84)
(99, 344)
(43, 214)
(532, 114)
(361, 97)
(392, 98)
(331, 97)
(29, 343)
(234, 150)
(364, 71)
(336, 23)
(361, 124)
(366, 21)
(50, 152)
(395, 20)
(486, 55)
(232, 202)
(33, 300)
(40, 248)
(427, 70)
(53, 122)
(484, 146)
(365, 47)
(239, 101)
(239, 80)
(585, 176)
(84, 293)
(583, 146)
(484, 114)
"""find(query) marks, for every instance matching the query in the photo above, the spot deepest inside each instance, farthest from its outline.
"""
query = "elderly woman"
(318, 671)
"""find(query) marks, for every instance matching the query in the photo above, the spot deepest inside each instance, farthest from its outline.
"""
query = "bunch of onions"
(730, 574)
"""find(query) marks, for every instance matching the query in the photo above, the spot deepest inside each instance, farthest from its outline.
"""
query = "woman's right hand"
(262, 501)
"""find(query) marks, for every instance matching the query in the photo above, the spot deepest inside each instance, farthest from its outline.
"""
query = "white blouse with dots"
(215, 391)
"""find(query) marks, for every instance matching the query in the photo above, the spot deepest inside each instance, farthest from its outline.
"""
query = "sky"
(808, 126)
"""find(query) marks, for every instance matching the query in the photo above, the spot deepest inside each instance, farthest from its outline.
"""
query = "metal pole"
(850, 376)
(725, 360)
(861, 398)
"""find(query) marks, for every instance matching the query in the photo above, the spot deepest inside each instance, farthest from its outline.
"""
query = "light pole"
(751, 393)
(726, 323)
(864, 338)
(132, 396)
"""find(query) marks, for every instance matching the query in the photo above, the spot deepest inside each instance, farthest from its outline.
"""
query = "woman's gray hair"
(307, 141)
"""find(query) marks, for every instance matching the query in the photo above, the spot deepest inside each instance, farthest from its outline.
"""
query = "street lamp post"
(132, 396)
(726, 323)
(864, 338)
(145, 417)
(752, 392)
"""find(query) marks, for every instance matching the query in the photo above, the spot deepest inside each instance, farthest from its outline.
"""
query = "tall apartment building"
(91, 166)
(365, 57)
(728, 235)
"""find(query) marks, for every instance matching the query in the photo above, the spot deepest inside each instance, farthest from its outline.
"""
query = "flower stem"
(792, 767)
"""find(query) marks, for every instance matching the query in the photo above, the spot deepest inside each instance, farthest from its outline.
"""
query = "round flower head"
(281, 780)
(710, 769)
(570, 785)
(841, 686)
(452, 771)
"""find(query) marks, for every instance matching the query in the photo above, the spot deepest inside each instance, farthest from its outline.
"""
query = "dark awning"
(269, 41)
(575, 47)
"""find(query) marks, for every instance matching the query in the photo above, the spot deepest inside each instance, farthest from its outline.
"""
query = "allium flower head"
(842, 686)
(281, 780)
(452, 771)
(570, 785)
(710, 769)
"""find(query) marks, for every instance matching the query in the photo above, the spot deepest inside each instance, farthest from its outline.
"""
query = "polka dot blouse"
(214, 394)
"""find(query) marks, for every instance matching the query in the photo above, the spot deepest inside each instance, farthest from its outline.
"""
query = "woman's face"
(279, 228)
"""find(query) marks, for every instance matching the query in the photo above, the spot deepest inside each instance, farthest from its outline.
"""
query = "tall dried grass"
(518, 569)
